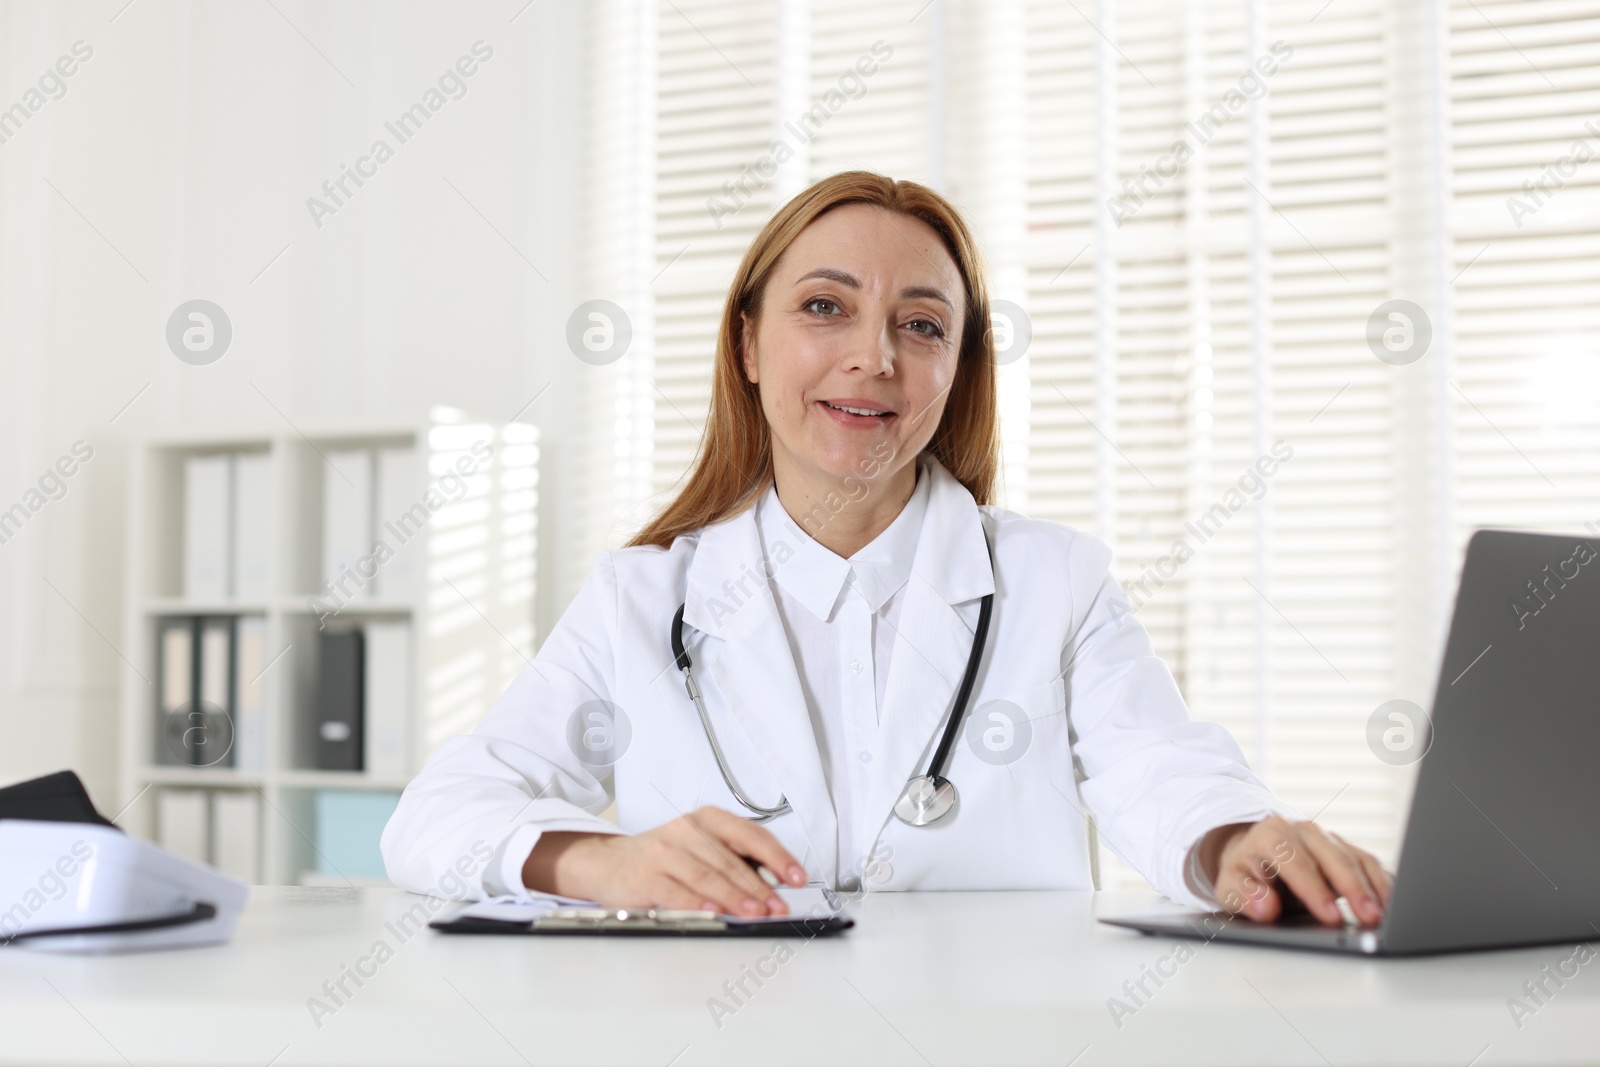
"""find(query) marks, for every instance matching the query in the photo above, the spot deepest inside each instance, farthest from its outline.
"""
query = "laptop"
(1502, 843)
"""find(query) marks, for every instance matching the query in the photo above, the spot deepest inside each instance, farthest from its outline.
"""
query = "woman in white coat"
(831, 554)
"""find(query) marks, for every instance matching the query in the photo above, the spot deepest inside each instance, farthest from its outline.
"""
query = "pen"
(766, 875)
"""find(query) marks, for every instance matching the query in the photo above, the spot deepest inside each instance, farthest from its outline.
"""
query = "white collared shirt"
(840, 616)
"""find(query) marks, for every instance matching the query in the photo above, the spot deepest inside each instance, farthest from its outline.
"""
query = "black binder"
(338, 727)
(190, 729)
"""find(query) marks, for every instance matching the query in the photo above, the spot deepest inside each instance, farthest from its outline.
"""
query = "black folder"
(338, 722)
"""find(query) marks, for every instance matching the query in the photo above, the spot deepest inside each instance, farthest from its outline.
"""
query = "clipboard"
(554, 917)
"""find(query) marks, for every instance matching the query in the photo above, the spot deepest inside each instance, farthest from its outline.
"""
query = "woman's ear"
(747, 348)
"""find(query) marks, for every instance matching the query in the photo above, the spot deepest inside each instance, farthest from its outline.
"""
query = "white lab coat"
(1062, 648)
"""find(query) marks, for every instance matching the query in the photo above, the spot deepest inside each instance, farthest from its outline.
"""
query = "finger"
(1380, 878)
(1244, 886)
(756, 841)
(648, 886)
(709, 883)
(700, 832)
(666, 853)
(704, 836)
(739, 873)
(1343, 872)
(1373, 912)
(667, 892)
(1302, 874)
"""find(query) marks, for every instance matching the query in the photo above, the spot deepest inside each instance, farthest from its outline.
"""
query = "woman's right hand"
(695, 861)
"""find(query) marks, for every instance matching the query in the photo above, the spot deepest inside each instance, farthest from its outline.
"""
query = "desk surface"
(929, 978)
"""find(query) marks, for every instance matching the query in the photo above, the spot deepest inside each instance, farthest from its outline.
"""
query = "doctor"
(841, 572)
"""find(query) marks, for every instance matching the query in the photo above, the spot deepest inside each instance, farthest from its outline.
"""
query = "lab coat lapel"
(747, 655)
(949, 574)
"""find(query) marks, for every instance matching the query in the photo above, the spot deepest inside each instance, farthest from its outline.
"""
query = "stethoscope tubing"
(680, 656)
(952, 730)
(941, 755)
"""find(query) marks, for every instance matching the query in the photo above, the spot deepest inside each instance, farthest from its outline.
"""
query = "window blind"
(714, 110)
(1524, 86)
(1216, 197)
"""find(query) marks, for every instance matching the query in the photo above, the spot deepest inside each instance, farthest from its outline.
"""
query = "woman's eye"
(825, 302)
(934, 329)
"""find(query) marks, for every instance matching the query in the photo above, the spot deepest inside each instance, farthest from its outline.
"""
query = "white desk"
(942, 978)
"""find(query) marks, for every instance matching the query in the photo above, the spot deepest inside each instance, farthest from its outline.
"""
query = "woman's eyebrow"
(846, 278)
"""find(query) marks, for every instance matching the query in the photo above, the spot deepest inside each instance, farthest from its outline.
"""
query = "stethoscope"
(926, 798)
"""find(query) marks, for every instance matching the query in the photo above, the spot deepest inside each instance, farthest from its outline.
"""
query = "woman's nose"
(872, 351)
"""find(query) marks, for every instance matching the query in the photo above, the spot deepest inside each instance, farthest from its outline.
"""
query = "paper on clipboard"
(812, 901)
(512, 910)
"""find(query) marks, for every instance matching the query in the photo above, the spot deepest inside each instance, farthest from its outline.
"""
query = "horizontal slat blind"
(714, 128)
(882, 126)
(1330, 558)
(1392, 466)
(1525, 107)
(1185, 399)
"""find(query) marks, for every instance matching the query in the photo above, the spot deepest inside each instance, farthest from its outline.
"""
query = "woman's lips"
(851, 419)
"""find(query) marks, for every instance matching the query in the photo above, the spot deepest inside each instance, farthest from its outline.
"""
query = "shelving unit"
(471, 609)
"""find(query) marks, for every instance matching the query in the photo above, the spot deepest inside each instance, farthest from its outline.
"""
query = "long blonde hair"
(734, 463)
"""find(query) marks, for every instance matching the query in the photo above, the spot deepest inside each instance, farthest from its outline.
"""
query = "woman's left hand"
(1250, 864)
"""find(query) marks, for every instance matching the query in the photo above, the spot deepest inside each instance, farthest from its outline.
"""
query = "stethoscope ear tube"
(680, 655)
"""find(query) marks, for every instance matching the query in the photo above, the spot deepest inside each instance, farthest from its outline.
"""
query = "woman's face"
(856, 346)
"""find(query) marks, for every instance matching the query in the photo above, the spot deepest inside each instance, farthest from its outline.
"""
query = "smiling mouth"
(869, 412)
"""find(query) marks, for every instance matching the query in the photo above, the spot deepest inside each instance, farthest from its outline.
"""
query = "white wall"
(184, 151)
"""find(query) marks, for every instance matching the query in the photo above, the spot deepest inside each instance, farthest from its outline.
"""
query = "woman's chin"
(853, 457)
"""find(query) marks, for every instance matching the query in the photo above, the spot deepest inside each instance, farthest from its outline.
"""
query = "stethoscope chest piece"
(927, 798)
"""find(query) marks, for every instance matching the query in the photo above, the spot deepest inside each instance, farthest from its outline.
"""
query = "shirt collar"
(816, 576)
